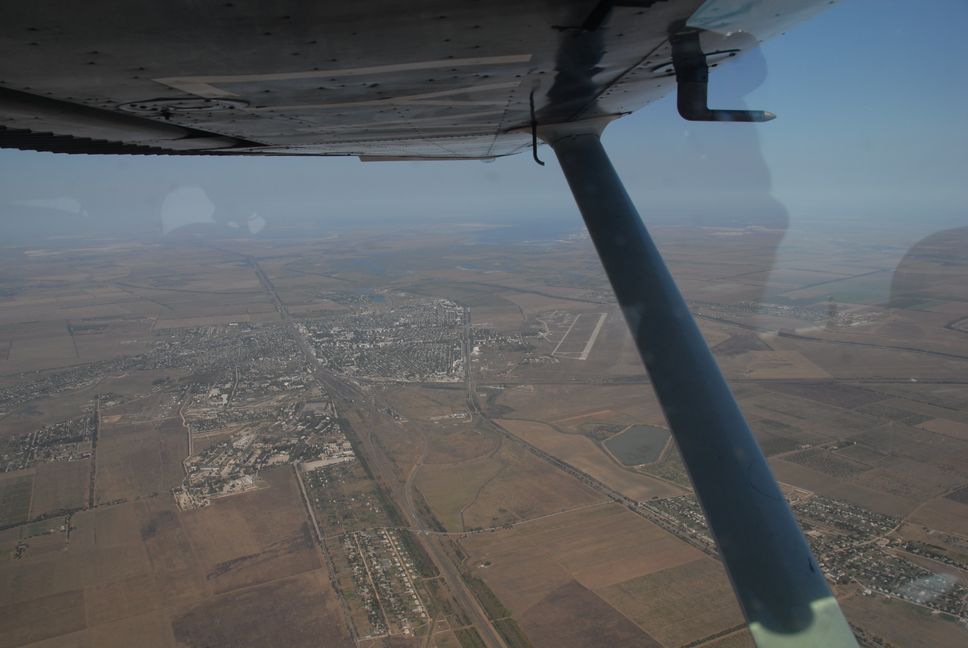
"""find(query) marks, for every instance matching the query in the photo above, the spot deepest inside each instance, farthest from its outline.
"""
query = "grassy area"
(449, 488)
(488, 599)
(469, 638)
(421, 561)
(429, 592)
(393, 514)
(670, 468)
(512, 633)
(425, 512)
(457, 549)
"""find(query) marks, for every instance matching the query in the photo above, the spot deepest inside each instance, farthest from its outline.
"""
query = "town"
(64, 441)
(852, 545)
(417, 340)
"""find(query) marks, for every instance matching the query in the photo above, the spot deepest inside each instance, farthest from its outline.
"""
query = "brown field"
(498, 313)
(810, 423)
(901, 623)
(452, 443)
(110, 296)
(597, 546)
(585, 455)
(177, 571)
(829, 393)
(570, 407)
(120, 599)
(397, 641)
(939, 409)
(947, 427)
(424, 403)
(894, 414)
(267, 315)
(680, 604)
(60, 486)
(145, 574)
(139, 459)
(292, 611)
(148, 630)
(15, 492)
(252, 538)
(864, 454)
(40, 618)
(446, 639)
(738, 639)
(910, 479)
(772, 444)
(716, 335)
(826, 461)
(546, 570)
(398, 441)
(918, 445)
(571, 616)
(534, 304)
(53, 539)
(450, 489)
(508, 485)
(824, 484)
(944, 514)
(526, 488)
(36, 346)
(122, 336)
(429, 412)
(8, 541)
(770, 365)
(847, 362)
(88, 581)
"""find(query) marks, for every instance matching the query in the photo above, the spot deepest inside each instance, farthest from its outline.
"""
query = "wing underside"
(376, 79)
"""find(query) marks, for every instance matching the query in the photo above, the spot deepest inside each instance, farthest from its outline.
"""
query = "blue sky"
(870, 98)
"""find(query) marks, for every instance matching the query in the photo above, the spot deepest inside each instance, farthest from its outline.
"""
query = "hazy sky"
(870, 96)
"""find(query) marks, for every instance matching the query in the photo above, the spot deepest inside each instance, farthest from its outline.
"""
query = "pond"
(638, 444)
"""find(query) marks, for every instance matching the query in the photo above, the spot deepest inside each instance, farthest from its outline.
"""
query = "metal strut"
(534, 132)
(692, 82)
(777, 581)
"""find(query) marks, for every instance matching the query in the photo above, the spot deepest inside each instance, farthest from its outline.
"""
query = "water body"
(639, 444)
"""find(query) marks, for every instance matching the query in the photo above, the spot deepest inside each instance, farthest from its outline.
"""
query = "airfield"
(411, 438)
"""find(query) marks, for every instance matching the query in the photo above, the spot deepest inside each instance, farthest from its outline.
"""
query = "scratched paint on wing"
(202, 86)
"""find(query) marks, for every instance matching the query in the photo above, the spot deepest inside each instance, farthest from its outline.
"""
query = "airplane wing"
(429, 79)
(455, 79)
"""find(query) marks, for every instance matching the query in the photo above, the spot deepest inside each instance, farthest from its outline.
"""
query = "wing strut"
(779, 585)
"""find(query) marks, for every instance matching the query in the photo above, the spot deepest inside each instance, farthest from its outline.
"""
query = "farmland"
(428, 442)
